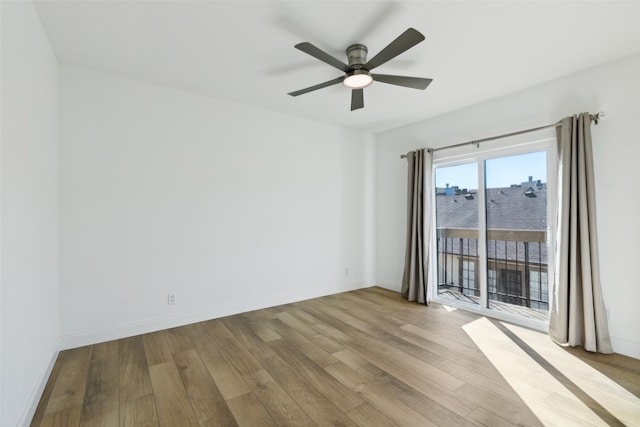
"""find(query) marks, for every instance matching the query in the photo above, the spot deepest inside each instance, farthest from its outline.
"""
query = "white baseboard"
(36, 393)
(626, 347)
(389, 284)
(114, 332)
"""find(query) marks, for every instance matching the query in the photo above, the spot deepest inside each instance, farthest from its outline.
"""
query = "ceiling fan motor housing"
(357, 55)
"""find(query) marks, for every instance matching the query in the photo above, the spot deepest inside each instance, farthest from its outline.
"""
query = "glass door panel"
(516, 224)
(457, 232)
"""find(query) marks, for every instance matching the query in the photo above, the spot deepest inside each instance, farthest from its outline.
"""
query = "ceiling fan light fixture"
(357, 79)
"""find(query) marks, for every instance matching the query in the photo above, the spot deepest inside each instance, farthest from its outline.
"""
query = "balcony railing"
(516, 265)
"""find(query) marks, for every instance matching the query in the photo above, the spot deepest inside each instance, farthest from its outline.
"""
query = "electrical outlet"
(346, 271)
(171, 299)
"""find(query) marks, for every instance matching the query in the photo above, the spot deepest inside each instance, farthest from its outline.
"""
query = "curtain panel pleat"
(578, 316)
(415, 279)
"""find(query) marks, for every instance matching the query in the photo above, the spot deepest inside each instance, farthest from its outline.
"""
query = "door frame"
(470, 154)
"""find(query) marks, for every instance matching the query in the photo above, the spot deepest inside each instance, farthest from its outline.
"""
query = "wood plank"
(276, 401)
(412, 370)
(133, 373)
(100, 415)
(433, 317)
(389, 320)
(439, 409)
(226, 377)
(48, 389)
(334, 334)
(305, 345)
(470, 366)
(178, 339)
(197, 332)
(363, 308)
(156, 348)
(67, 417)
(206, 400)
(378, 396)
(246, 338)
(618, 361)
(623, 376)
(444, 341)
(249, 412)
(315, 405)
(382, 356)
(139, 412)
(483, 417)
(340, 395)
(172, 403)
(266, 313)
(383, 329)
(101, 400)
(366, 415)
(518, 413)
(260, 327)
(240, 357)
(310, 330)
(71, 382)
(297, 325)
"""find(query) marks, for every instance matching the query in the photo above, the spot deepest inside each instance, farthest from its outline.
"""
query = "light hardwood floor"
(366, 358)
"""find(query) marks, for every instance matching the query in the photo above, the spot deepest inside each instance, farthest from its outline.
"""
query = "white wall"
(29, 313)
(613, 88)
(231, 208)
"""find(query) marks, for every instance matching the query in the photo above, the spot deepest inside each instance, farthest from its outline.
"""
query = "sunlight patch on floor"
(448, 308)
(621, 403)
(551, 402)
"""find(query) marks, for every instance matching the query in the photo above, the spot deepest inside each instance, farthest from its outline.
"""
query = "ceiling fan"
(357, 73)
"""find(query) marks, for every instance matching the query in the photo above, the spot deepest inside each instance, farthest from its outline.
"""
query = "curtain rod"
(594, 118)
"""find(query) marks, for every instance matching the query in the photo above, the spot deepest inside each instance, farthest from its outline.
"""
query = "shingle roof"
(507, 208)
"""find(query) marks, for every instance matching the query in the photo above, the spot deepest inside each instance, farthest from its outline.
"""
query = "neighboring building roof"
(507, 208)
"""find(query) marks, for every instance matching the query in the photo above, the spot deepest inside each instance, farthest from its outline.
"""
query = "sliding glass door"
(492, 234)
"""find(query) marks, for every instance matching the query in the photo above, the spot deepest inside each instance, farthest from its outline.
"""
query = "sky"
(500, 172)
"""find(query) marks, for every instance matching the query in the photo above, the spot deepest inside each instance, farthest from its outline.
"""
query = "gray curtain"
(416, 268)
(578, 316)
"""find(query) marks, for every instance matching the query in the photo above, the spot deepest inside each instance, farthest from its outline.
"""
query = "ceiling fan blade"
(404, 42)
(318, 86)
(310, 49)
(412, 82)
(357, 99)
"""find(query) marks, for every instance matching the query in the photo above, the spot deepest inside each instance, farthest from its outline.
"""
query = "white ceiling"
(243, 51)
